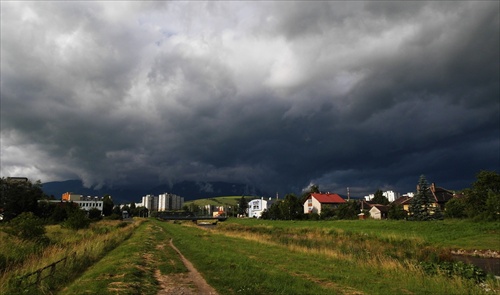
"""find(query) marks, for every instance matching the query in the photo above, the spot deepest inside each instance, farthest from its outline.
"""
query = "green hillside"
(219, 201)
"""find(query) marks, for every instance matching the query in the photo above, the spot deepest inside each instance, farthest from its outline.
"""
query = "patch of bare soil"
(191, 283)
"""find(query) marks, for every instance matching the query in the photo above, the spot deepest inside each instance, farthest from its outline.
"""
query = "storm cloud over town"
(278, 95)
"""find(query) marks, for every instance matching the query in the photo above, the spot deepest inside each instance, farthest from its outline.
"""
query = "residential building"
(167, 202)
(257, 206)
(379, 211)
(404, 201)
(150, 202)
(390, 195)
(316, 201)
(85, 203)
(440, 195)
(69, 196)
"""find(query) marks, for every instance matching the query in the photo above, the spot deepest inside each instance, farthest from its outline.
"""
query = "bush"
(95, 214)
(27, 226)
(113, 216)
(77, 220)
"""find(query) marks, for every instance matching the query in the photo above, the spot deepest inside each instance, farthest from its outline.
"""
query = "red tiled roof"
(328, 198)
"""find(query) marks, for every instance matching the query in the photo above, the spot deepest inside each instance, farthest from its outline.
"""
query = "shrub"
(95, 214)
(27, 226)
(77, 220)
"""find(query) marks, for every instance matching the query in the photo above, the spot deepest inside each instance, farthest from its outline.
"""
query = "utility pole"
(348, 194)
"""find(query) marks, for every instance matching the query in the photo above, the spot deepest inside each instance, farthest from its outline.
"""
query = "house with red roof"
(316, 201)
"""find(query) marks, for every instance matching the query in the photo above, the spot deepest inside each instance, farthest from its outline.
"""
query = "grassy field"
(252, 256)
(449, 233)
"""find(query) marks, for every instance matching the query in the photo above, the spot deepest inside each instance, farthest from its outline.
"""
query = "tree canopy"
(379, 198)
(18, 196)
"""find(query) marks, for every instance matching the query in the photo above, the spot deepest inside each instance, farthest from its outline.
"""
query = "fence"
(40, 273)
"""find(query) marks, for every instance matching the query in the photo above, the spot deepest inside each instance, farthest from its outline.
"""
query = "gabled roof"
(402, 200)
(381, 208)
(327, 198)
(366, 205)
(440, 194)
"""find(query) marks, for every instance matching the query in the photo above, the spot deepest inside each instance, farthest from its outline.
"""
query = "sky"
(279, 95)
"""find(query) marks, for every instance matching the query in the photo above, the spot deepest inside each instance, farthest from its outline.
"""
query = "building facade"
(150, 202)
(257, 206)
(167, 202)
(316, 201)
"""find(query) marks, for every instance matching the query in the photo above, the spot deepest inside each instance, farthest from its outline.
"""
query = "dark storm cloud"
(367, 94)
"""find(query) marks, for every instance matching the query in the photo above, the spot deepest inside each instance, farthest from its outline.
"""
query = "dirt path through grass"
(191, 283)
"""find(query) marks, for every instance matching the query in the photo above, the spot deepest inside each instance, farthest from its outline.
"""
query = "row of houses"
(317, 201)
(439, 195)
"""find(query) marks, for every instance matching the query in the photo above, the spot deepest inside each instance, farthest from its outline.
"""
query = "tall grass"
(82, 248)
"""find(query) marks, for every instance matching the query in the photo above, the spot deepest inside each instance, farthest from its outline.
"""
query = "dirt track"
(191, 283)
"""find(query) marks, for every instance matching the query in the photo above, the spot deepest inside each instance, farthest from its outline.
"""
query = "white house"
(316, 201)
(379, 212)
(257, 206)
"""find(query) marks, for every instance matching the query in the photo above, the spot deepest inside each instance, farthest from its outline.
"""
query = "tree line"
(480, 202)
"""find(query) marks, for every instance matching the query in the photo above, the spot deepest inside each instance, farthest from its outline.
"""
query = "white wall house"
(379, 212)
(316, 201)
(257, 206)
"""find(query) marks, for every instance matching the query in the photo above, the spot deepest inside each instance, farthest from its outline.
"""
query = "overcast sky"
(364, 95)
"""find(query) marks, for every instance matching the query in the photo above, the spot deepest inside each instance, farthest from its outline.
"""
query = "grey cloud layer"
(277, 94)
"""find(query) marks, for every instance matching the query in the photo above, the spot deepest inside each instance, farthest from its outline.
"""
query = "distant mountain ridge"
(190, 190)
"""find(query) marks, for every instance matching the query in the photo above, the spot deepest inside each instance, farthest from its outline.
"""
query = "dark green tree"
(455, 208)
(273, 212)
(107, 205)
(59, 214)
(95, 214)
(291, 208)
(327, 212)
(487, 181)
(242, 206)
(117, 210)
(348, 210)
(18, 196)
(487, 185)
(396, 212)
(421, 208)
(379, 198)
(493, 206)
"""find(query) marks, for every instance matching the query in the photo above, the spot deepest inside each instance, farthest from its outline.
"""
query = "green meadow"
(218, 201)
(252, 256)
